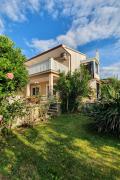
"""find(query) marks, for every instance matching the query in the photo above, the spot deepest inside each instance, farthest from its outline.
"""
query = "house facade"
(44, 69)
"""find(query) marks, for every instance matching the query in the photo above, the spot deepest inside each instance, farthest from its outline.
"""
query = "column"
(51, 84)
(94, 69)
(28, 90)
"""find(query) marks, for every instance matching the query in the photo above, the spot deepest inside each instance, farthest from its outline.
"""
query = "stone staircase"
(54, 109)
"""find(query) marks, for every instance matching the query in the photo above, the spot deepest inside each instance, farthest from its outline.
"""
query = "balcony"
(48, 65)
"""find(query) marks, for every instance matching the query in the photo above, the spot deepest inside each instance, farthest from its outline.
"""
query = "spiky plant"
(107, 114)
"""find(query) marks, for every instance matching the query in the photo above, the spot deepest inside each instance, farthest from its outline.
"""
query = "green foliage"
(18, 112)
(71, 86)
(109, 88)
(107, 111)
(62, 149)
(13, 77)
(11, 61)
(11, 108)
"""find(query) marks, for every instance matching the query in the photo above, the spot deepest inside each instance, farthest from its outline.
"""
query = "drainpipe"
(70, 62)
(69, 59)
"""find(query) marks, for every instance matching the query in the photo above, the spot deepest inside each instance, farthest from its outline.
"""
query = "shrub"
(106, 112)
(11, 108)
(107, 115)
(34, 114)
(17, 112)
(71, 87)
(13, 77)
(109, 88)
(13, 73)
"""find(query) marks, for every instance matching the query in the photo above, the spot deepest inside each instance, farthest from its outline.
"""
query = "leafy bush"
(11, 108)
(13, 77)
(35, 113)
(71, 87)
(109, 88)
(13, 73)
(107, 111)
(17, 112)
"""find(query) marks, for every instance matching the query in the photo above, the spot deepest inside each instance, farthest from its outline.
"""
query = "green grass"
(64, 148)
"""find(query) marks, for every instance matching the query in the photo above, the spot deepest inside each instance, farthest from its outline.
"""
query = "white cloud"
(1, 26)
(42, 45)
(112, 70)
(16, 10)
(90, 20)
(34, 4)
(13, 10)
(110, 52)
(109, 59)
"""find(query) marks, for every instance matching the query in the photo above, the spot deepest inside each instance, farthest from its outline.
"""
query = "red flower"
(10, 75)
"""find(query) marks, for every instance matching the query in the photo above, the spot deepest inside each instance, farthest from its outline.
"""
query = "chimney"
(97, 55)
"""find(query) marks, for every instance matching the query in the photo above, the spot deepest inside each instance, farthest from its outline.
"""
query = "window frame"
(35, 87)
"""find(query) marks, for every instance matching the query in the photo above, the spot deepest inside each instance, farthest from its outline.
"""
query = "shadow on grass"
(61, 149)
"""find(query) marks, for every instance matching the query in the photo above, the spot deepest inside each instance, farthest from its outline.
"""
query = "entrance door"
(35, 91)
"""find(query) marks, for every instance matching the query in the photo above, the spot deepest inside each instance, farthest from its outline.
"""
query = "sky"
(85, 25)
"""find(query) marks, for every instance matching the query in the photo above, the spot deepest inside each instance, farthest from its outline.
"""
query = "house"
(44, 69)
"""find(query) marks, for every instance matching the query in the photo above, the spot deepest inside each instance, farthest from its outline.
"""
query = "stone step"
(52, 114)
(53, 109)
(53, 104)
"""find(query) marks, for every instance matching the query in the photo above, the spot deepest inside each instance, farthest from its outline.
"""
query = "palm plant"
(107, 111)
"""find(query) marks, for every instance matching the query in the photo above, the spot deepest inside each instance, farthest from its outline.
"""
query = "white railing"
(49, 64)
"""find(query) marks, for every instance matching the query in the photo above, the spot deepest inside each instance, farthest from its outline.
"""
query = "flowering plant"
(13, 77)
(13, 73)
(10, 75)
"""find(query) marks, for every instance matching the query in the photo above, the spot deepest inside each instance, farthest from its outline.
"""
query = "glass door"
(35, 91)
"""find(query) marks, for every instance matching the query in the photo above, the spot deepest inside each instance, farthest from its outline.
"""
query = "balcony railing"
(47, 65)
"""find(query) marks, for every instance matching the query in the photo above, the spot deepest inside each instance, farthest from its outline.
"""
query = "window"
(35, 91)
(89, 67)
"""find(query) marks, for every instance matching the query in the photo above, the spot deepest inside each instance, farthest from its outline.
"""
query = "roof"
(73, 50)
(45, 52)
(56, 47)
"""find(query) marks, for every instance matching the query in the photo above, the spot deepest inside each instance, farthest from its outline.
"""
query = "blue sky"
(37, 25)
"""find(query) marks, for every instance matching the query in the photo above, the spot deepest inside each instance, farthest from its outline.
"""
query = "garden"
(63, 148)
(81, 143)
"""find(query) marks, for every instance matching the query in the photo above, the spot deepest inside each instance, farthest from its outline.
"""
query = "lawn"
(64, 148)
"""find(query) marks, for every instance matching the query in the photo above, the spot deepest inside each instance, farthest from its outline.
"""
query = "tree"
(71, 86)
(13, 73)
(13, 77)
